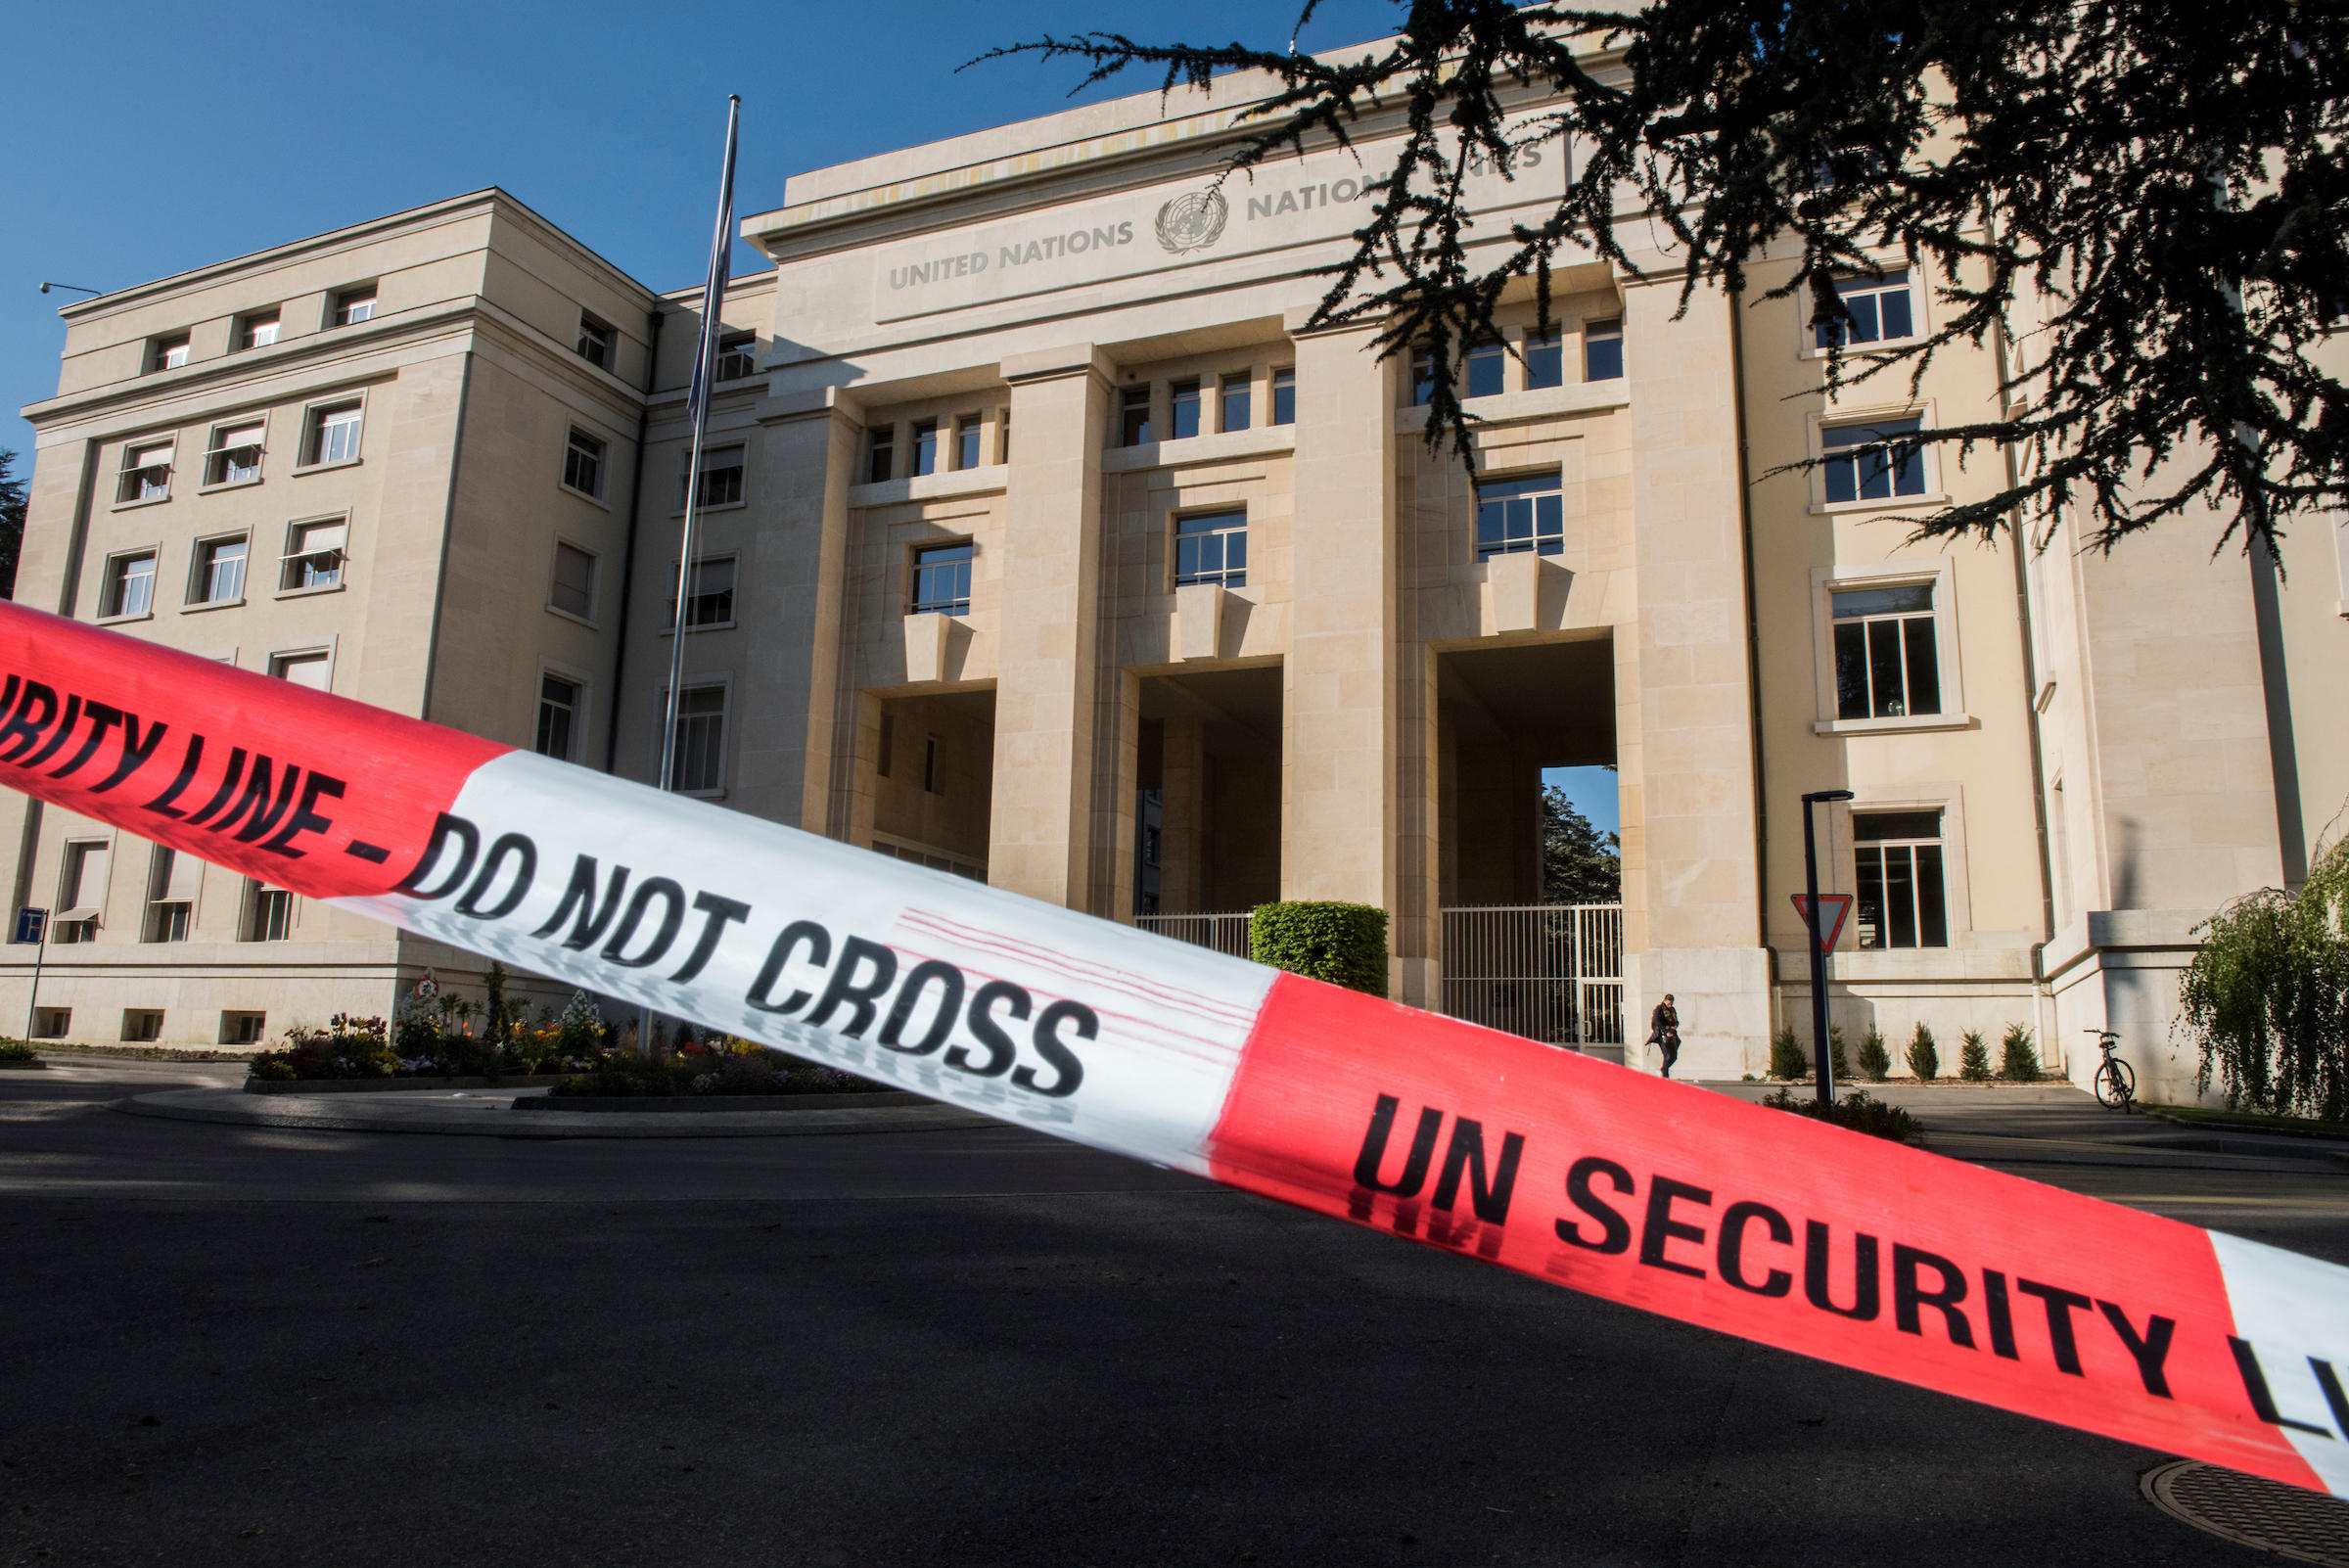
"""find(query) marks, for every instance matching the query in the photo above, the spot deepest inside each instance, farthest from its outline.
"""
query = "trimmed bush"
(2019, 1057)
(17, 1050)
(1924, 1057)
(1344, 944)
(1973, 1057)
(1856, 1111)
(1786, 1058)
(1875, 1062)
(1837, 1065)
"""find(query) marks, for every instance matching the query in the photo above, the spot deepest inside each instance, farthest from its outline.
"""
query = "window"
(313, 557)
(334, 433)
(737, 355)
(1212, 548)
(354, 306)
(942, 579)
(1900, 902)
(52, 1023)
(1602, 350)
(1235, 391)
(700, 765)
(711, 601)
(1862, 466)
(889, 737)
(129, 587)
(721, 478)
(81, 891)
(1284, 396)
(558, 711)
(268, 913)
(141, 1024)
(1485, 364)
(1183, 397)
(877, 468)
(1003, 435)
(302, 669)
(1882, 311)
(595, 341)
(1887, 659)
(1134, 417)
(1544, 360)
(220, 571)
(1423, 376)
(145, 472)
(584, 464)
(1515, 516)
(258, 330)
(934, 773)
(925, 446)
(173, 883)
(243, 1029)
(573, 588)
(235, 456)
(167, 352)
(966, 442)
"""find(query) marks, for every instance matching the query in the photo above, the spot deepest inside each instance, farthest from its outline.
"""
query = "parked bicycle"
(2115, 1081)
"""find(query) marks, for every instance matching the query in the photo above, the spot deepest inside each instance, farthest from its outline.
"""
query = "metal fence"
(1550, 972)
(1225, 933)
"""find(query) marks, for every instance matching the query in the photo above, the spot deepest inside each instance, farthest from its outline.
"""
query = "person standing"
(1664, 1031)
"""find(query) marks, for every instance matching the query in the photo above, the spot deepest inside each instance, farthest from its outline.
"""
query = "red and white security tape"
(1683, 1202)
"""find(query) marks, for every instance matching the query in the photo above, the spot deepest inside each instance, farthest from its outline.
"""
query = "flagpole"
(713, 293)
(697, 400)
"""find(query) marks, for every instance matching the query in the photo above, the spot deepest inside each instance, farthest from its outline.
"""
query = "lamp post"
(76, 287)
(1819, 959)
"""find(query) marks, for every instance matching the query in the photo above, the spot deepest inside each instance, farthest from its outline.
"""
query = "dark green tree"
(11, 522)
(1578, 864)
(2164, 181)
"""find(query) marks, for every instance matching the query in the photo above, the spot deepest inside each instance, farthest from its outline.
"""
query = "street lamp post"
(1819, 959)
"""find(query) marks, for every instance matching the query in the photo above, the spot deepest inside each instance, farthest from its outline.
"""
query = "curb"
(485, 1116)
(704, 1104)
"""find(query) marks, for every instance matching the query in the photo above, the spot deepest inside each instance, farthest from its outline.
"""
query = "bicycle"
(2115, 1081)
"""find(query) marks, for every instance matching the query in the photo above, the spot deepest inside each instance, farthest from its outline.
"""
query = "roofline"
(490, 196)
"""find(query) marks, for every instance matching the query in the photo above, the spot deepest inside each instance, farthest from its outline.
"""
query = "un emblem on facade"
(1193, 221)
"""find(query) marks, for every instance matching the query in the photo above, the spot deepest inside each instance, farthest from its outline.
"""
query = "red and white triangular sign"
(1833, 909)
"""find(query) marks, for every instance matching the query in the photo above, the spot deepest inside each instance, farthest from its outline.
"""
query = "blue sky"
(1592, 792)
(143, 140)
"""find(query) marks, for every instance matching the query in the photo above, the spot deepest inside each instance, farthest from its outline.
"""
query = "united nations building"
(1041, 541)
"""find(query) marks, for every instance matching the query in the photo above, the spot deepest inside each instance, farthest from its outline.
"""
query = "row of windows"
(586, 468)
(961, 442)
(234, 451)
(1483, 369)
(316, 554)
(144, 1024)
(1232, 396)
(264, 913)
(257, 329)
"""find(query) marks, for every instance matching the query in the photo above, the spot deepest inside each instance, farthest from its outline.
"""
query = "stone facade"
(1060, 353)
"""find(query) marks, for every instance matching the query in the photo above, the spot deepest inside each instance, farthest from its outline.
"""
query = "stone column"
(1694, 748)
(1339, 813)
(1051, 603)
(794, 769)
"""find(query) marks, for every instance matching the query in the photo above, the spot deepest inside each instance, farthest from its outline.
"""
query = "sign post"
(1818, 961)
(33, 925)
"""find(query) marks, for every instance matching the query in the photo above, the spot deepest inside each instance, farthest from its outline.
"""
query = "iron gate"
(1551, 972)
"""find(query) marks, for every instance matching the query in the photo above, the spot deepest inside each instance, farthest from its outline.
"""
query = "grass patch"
(2204, 1116)
(142, 1053)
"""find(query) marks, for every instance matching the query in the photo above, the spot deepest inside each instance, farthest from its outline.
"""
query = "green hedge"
(1344, 944)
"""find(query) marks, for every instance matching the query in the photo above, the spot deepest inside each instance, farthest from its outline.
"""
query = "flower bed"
(728, 1066)
(438, 1036)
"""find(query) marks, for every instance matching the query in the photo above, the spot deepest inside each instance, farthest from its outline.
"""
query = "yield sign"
(1833, 909)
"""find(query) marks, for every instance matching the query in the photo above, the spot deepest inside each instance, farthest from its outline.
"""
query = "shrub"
(1836, 1065)
(2018, 1058)
(1875, 1062)
(1786, 1058)
(1973, 1057)
(1344, 944)
(17, 1050)
(1856, 1111)
(2266, 998)
(728, 1066)
(1924, 1057)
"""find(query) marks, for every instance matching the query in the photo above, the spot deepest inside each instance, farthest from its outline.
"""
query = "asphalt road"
(255, 1346)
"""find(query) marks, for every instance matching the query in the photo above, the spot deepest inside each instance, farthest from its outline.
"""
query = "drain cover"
(2304, 1526)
